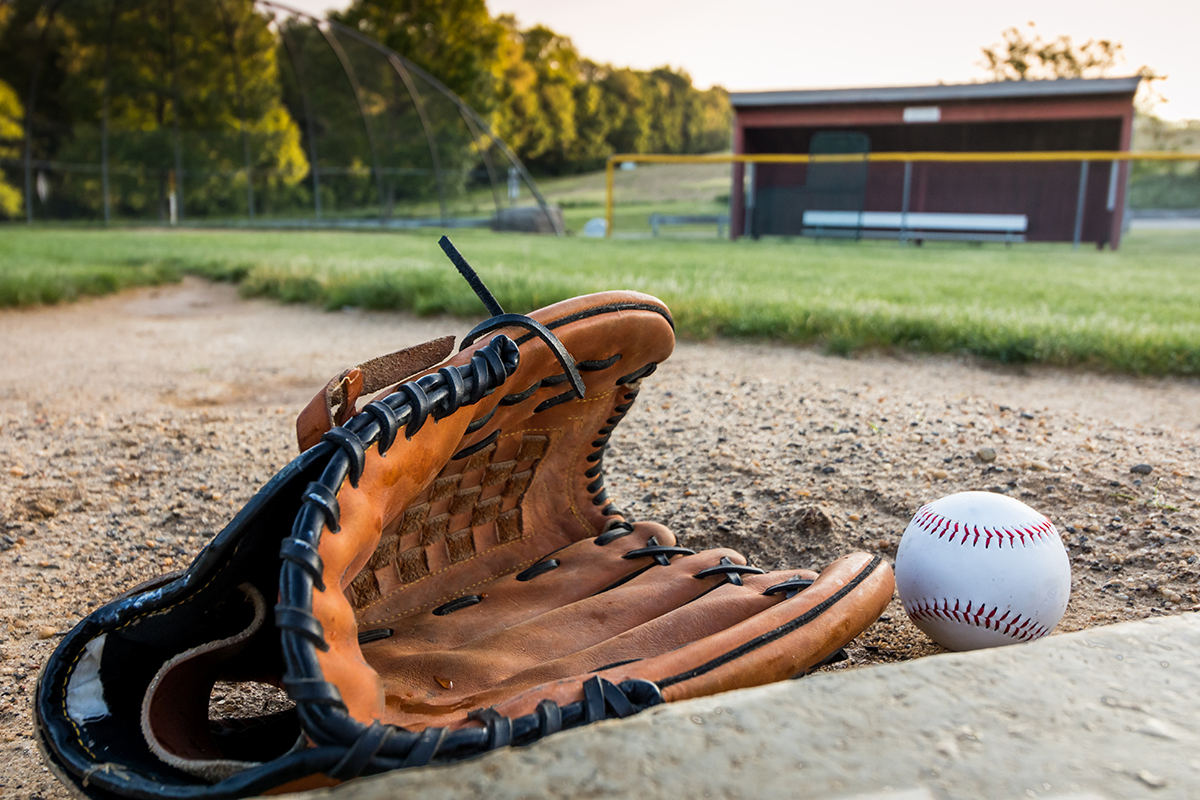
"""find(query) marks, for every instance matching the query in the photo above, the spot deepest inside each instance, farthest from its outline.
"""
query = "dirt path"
(133, 427)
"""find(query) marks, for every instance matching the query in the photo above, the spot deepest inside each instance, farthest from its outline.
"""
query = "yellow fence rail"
(804, 158)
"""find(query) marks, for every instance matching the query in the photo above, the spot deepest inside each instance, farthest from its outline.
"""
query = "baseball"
(977, 569)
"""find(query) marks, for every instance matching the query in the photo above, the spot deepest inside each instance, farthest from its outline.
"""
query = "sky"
(750, 45)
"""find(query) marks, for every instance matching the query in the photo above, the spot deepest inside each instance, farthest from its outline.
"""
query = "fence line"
(446, 146)
(1084, 157)
(141, 169)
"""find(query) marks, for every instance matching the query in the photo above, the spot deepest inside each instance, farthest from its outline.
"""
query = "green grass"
(664, 188)
(648, 183)
(1136, 310)
(634, 218)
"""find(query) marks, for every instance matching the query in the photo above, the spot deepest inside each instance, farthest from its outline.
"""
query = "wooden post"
(1080, 202)
(608, 196)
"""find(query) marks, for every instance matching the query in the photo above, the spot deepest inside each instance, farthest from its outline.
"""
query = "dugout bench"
(917, 226)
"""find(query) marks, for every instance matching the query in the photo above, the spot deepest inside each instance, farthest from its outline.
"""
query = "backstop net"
(234, 112)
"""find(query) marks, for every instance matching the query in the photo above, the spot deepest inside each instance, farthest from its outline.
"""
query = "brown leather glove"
(454, 578)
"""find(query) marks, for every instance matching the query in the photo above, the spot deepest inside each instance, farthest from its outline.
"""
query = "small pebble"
(1150, 779)
(46, 632)
(1141, 469)
(1170, 594)
(986, 454)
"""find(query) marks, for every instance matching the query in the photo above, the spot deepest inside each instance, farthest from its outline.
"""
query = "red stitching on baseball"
(1023, 630)
(935, 524)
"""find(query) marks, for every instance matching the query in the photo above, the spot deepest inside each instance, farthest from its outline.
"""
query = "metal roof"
(1000, 90)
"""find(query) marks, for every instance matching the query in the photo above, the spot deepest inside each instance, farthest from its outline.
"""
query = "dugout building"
(1034, 116)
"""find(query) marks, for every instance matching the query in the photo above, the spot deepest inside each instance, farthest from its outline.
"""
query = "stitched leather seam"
(1012, 625)
(604, 308)
(779, 632)
(578, 458)
(975, 535)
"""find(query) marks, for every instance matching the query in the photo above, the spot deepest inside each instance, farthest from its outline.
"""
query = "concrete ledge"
(1106, 713)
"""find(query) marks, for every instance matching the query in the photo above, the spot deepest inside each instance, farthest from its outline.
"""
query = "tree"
(159, 85)
(456, 41)
(556, 64)
(1025, 55)
(11, 131)
(516, 118)
(563, 113)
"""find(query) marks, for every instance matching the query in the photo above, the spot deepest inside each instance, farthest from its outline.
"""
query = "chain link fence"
(248, 113)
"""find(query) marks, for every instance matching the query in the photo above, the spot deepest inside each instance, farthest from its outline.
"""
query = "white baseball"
(977, 569)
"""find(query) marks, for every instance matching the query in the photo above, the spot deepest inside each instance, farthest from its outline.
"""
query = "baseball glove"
(437, 575)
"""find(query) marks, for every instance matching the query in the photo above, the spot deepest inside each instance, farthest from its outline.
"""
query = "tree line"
(218, 107)
(559, 111)
(225, 108)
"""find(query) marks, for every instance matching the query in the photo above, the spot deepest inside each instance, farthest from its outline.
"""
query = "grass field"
(1136, 310)
(662, 188)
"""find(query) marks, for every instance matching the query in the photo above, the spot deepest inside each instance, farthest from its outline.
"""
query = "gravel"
(133, 427)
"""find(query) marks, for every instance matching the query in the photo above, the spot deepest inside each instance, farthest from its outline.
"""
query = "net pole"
(751, 198)
(1080, 202)
(298, 70)
(485, 147)
(35, 73)
(348, 69)
(104, 181)
(426, 126)
(176, 112)
(608, 196)
(444, 90)
(230, 37)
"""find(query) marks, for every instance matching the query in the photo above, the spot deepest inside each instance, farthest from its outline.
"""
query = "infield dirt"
(133, 427)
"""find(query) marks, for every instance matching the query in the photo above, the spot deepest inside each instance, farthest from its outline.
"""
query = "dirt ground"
(133, 427)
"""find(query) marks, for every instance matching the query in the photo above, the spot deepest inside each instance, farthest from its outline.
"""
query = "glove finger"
(420, 683)
(714, 610)
(783, 641)
(790, 637)
(571, 573)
